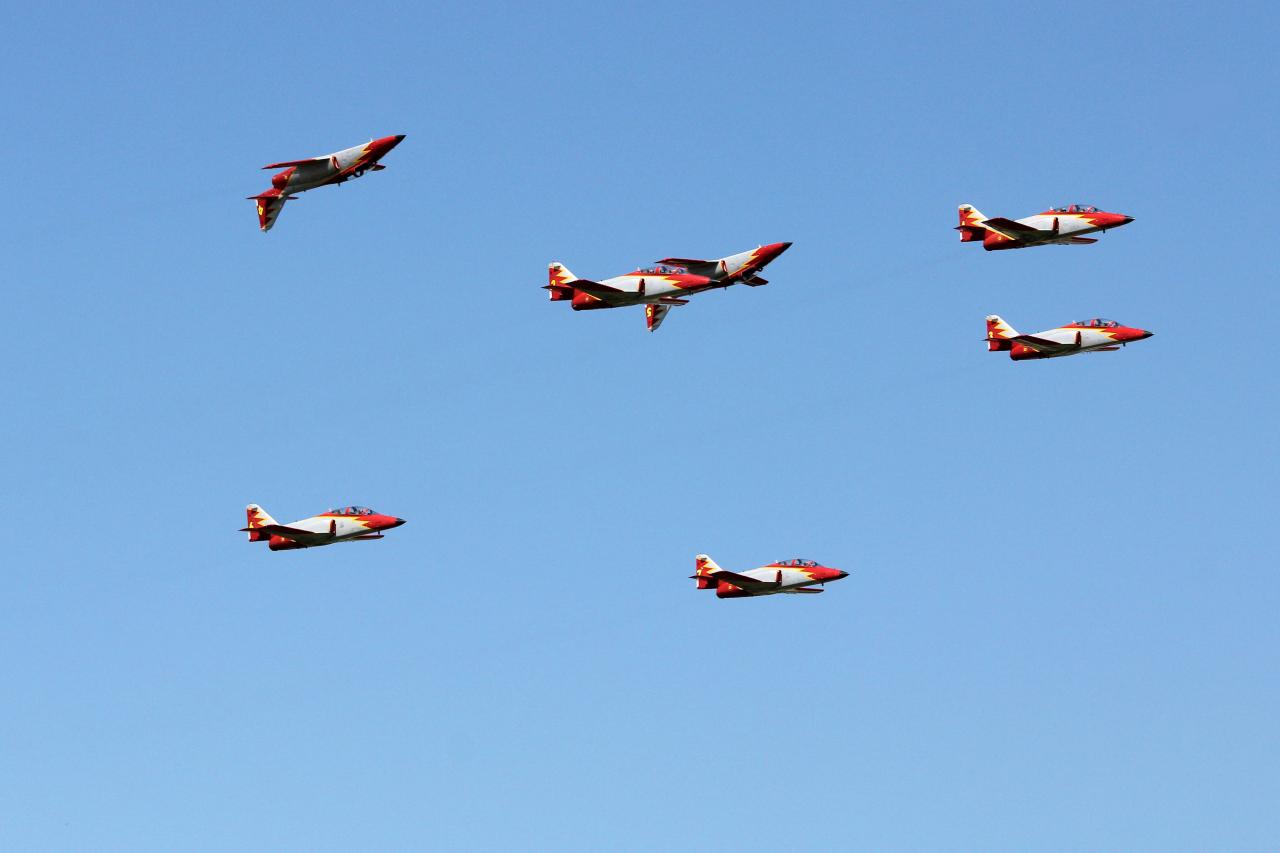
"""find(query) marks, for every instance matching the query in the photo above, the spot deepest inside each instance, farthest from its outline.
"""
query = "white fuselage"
(791, 578)
(1090, 339)
(343, 527)
(311, 175)
(1068, 223)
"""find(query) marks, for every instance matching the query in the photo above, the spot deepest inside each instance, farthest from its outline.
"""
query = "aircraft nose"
(399, 137)
(1143, 334)
(396, 522)
(772, 250)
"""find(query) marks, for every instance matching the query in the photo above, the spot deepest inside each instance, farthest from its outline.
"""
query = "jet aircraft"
(1062, 226)
(1096, 335)
(302, 175)
(784, 576)
(347, 524)
(663, 285)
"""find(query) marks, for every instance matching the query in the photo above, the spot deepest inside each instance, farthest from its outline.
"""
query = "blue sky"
(1060, 628)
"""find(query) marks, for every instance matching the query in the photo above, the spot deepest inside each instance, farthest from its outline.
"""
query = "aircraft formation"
(666, 284)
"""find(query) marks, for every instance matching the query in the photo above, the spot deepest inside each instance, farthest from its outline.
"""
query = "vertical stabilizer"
(971, 228)
(998, 334)
(558, 278)
(257, 518)
(704, 568)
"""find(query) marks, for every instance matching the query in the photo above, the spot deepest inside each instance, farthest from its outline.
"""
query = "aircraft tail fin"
(998, 334)
(704, 568)
(258, 517)
(558, 278)
(971, 228)
(269, 204)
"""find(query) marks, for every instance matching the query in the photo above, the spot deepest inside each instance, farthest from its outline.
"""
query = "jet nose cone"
(396, 522)
(1143, 334)
(399, 137)
(771, 251)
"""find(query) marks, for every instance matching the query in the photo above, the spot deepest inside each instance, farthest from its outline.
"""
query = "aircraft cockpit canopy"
(797, 563)
(350, 510)
(1097, 323)
(664, 269)
(1075, 208)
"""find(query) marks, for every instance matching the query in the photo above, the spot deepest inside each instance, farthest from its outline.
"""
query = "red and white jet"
(348, 524)
(1096, 335)
(662, 286)
(789, 576)
(1061, 226)
(303, 175)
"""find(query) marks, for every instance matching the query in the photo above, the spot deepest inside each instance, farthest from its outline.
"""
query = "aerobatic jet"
(347, 524)
(789, 576)
(1096, 335)
(1060, 226)
(302, 175)
(662, 286)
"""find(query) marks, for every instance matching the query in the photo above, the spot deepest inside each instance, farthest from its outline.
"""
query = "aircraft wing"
(801, 589)
(598, 290)
(1045, 346)
(287, 532)
(1011, 229)
(744, 582)
(286, 163)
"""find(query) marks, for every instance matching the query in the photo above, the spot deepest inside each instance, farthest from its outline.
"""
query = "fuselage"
(1075, 224)
(784, 576)
(328, 528)
(1081, 339)
(1066, 225)
(335, 168)
(344, 527)
(788, 580)
(1095, 335)
(674, 279)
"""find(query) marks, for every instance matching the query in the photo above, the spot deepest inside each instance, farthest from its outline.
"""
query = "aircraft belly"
(308, 182)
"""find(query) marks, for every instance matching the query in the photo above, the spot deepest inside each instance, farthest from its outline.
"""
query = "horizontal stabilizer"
(1080, 241)
(757, 281)
(672, 300)
(682, 262)
(804, 589)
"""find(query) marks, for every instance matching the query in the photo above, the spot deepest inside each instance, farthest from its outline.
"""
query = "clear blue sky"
(1060, 631)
